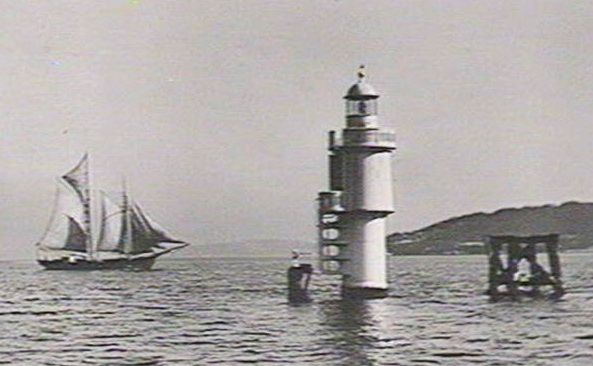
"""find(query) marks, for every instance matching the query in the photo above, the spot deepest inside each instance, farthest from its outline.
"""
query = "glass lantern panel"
(361, 107)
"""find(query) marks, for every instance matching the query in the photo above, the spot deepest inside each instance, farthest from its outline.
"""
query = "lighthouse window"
(361, 107)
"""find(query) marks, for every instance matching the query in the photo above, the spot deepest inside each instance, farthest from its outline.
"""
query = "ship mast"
(86, 213)
(127, 220)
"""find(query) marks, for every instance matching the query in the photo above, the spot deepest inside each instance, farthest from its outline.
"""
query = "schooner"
(126, 238)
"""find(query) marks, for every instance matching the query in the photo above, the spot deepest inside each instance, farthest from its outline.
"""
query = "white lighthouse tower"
(352, 214)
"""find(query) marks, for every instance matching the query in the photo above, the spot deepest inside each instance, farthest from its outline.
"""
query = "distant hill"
(463, 234)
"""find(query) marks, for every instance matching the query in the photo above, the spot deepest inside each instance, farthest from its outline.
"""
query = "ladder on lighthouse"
(331, 227)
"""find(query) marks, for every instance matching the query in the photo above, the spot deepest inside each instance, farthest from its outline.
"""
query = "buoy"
(299, 277)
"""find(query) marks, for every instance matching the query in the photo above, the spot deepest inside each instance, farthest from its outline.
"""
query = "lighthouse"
(352, 213)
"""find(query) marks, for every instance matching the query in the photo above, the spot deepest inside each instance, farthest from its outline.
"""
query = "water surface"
(234, 311)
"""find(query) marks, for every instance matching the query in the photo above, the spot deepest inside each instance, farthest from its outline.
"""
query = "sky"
(216, 112)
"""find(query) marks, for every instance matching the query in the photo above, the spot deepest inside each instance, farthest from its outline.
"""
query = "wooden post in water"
(299, 278)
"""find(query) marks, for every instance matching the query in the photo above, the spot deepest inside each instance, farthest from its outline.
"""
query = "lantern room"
(361, 102)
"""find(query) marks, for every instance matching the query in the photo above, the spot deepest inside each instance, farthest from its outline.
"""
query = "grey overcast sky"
(217, 111)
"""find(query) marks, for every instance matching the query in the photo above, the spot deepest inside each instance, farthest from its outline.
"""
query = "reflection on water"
(228, 312)
(349, 328)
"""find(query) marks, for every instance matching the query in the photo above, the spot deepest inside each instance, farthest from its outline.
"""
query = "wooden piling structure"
(517, 249)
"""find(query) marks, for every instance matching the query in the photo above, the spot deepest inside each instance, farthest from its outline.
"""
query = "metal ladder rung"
(337, 243)
(329, 258)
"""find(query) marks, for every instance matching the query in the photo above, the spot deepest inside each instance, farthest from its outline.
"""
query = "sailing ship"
(126, 237)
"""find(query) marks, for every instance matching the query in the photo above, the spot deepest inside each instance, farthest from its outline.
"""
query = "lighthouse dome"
(361, 90)
(361, 103)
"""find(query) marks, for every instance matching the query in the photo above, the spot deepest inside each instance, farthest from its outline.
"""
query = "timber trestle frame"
(517, 249)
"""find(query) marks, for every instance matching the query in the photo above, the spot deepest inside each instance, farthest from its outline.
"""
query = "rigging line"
(113, 214)
(116, 212)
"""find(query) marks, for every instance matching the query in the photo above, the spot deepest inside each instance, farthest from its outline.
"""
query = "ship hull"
(131, 264)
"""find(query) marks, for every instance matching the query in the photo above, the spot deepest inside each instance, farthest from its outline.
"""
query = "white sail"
(157, 232)
(110, 232)
(78, 179)
(147, 235)
(65, 230)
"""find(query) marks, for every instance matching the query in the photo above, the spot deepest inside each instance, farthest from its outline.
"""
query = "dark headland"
(463, 234)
